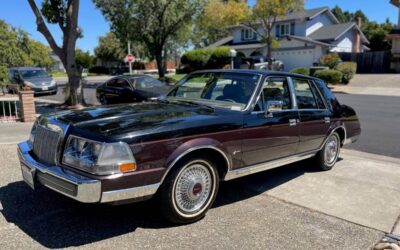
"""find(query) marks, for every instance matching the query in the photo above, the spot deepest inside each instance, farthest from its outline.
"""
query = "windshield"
(33, 73)
(232, 90)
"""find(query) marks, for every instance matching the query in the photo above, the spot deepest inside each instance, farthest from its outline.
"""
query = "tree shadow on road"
(55, 221)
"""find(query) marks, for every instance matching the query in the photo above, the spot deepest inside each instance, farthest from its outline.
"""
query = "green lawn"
(176, 76)
(58, 74)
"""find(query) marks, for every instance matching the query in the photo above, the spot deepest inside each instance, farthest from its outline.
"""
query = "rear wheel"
(189, 191)
(327, 157)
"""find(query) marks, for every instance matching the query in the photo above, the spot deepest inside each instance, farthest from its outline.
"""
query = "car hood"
(46, 80)
(129, 122)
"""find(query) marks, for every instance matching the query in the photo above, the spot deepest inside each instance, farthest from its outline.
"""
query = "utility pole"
(130, 61)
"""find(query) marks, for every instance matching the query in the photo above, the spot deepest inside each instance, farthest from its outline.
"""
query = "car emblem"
(54, 127)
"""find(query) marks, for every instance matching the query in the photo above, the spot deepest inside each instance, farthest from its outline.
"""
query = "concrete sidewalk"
(12, 133)
(362, 188)
(371, 84)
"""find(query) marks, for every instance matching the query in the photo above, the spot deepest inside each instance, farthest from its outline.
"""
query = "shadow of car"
(56, 221)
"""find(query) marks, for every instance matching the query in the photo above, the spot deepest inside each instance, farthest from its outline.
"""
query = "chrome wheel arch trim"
(191, 150)
(342, 142)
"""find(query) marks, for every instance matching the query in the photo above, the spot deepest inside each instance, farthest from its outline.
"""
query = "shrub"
(301, 71)
(99, 70)
(348, 70)
(3, 76)
(206, 58)
(329, 76)
(330, 60)
(196, 59)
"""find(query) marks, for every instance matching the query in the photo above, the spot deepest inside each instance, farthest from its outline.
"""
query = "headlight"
(28, 83)
(53, 82)
(98, 158)
(33, 133)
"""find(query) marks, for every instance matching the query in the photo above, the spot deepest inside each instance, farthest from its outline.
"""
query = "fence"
(369, 62)
(9, 110)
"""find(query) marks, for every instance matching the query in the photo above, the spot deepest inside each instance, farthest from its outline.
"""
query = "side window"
(118, 83)
(318, 97)
(274, 89)
(11, 74)
(304, 95)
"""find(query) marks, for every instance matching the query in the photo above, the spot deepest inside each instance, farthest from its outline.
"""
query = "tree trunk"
(269, 50)
(160, 64)
(75, 90)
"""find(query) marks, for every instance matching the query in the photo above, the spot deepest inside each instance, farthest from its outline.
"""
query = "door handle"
(327, 119)
(292, 122)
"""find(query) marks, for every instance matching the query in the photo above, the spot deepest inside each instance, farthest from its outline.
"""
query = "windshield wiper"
(195, 103)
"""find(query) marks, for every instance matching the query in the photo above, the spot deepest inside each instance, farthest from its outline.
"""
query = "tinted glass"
(147, 82)
(33, 73)
(317, 95)
(304, 94)
(220, 87)
(118, 83)
(274, 89)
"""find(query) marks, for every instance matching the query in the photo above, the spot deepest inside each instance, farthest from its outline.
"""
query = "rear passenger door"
(118, 90)
(314, 115)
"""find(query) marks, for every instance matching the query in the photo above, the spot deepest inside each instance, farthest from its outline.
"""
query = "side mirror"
(272, 106)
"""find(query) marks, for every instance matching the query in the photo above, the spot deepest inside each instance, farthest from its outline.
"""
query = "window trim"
(315, 88)
(248, 36)
(310, 81)
(261, 92)
(284, 26)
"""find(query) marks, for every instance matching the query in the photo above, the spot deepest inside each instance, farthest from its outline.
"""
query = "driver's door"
(275, 134)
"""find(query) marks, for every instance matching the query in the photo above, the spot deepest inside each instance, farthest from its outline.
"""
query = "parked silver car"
(36, 78)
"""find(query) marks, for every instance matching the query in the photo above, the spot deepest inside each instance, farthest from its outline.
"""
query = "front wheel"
(189, 191)
(327, 157)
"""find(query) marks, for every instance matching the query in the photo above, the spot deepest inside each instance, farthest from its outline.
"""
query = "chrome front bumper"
(76, 186)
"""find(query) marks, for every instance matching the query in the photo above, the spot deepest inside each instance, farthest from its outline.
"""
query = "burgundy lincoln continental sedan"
(213, 126)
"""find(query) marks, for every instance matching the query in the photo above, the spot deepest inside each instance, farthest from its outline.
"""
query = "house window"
(285, 29)
(248, 34)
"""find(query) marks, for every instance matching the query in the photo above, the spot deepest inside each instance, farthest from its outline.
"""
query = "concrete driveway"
(292, 207)
(372, 84)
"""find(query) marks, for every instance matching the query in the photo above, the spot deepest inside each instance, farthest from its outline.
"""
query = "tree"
(39, 54)
(375, 32)
(217, 16)
(149, 22)
(265, 14)
(85, 59)
(109, 48)
(64, 13)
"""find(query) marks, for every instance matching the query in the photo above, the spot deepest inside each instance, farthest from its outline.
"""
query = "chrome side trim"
(129, 193)
(237, 173)
(192, 150)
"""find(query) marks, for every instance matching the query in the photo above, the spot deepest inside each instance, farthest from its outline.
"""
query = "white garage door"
(295, 58)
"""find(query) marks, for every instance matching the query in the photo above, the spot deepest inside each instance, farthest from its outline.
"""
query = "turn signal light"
(127, 167)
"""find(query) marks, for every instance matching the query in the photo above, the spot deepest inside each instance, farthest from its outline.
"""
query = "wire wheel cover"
(193, 188)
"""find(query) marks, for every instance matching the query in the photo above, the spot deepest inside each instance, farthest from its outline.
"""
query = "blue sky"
(19, 14)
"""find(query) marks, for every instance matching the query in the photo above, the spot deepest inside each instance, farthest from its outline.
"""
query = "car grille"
(46, 144)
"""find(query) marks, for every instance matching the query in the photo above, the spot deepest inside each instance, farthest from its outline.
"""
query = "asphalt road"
(379, 116)
(380, 123)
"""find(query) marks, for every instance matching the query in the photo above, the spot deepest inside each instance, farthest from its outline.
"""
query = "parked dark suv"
(36, 78)
(213, 126)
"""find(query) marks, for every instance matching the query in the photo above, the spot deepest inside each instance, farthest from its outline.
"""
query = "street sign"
(130, 58)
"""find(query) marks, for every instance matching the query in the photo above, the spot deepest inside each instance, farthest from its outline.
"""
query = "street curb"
(371, 156)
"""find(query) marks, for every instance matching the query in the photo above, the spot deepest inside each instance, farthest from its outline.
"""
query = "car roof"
(255, 71)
